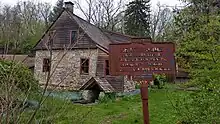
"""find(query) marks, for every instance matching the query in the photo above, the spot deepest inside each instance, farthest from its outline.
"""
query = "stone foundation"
(129, 85)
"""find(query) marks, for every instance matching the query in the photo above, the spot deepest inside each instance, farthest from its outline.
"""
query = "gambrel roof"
(100, 38)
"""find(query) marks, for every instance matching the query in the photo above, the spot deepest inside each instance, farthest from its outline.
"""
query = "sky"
(53, 2)
(154, 2)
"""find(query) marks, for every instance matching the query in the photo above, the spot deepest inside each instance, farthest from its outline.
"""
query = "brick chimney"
(69, 6)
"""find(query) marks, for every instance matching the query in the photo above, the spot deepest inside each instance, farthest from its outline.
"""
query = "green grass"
(127, 110)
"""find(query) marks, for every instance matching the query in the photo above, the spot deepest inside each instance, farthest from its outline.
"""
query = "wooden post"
(144, 97)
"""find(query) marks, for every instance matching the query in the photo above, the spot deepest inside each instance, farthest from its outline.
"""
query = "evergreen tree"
(137, 18)
(56, 11)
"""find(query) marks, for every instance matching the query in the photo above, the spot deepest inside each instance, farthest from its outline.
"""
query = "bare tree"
(87, 12)
(160, 19)
(22, 24)
(111, 13)
(105, 14)
(44, 9)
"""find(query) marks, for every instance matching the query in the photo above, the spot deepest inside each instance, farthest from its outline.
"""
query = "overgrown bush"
(108, 98)
(160, 80)
(202, 106)
(17, 84)
(199, 108)
(17, 75)
(137, 86)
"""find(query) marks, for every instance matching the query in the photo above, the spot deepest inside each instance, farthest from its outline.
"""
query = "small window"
(107, 67)
(84, 66)
(46, 65)
(73, 36)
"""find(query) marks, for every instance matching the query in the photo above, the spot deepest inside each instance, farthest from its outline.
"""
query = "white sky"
(153, 2)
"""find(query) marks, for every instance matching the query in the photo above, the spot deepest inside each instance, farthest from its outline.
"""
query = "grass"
(126, 110)
(161, 108)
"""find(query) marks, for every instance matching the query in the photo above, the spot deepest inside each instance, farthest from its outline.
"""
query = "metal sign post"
(144, 97)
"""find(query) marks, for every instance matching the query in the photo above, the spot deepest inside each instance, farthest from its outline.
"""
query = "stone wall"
(65, 67)
(129, 85)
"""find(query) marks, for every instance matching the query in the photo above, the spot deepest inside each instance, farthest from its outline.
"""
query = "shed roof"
(25, 59)
(103, 84)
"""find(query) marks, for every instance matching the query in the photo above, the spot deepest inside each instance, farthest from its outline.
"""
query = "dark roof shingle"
(102, 83)
(100, 37)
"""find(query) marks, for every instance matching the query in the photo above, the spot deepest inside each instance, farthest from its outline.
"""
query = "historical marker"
(140, 59)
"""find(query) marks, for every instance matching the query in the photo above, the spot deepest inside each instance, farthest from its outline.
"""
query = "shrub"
(202, 106)
(160, 80)
(17, 75)
(199, 108)
(137, 86)
(17, 84)
(108, 97)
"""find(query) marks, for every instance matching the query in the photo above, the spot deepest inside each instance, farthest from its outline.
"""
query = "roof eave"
(103, 49)
(34, 48)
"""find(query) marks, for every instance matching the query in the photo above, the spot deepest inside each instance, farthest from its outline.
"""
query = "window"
(46, 65)
(107, 67)
(84, 66)
(73, 36)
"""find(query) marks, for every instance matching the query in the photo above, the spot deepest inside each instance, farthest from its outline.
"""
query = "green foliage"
(137, 18)
(160, 80)
(31, 39)
(199, 52)
(17, 76)
(108, 97)
(206, 79)
(22, 25)
(17, 84)
(206, 36)
(127, 110)
(137, 86)
(199, 108)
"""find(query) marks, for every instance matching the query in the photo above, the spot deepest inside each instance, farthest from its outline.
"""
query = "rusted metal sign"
(142, 59)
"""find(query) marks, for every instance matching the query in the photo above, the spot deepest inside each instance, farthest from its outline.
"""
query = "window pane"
(106, 67)
(46, 65)
(84, 66)
(73, 36)
(85, 70)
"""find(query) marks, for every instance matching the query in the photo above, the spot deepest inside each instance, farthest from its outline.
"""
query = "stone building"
(75, 54)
